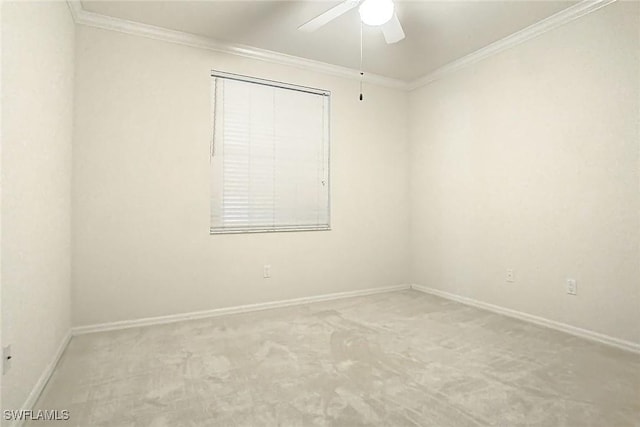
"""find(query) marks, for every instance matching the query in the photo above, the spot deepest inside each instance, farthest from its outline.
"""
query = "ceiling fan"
(372, 12)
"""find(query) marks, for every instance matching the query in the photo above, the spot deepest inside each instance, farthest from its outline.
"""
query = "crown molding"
(565, 16)
(554, 21)
(97, 20)
(75, 7)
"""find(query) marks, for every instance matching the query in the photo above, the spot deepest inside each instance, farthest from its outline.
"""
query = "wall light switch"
(266, 272)
(572, 287)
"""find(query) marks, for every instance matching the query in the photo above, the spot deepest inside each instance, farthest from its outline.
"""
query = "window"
(269, 156)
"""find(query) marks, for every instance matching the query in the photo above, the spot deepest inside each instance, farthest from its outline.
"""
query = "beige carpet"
(395, 359)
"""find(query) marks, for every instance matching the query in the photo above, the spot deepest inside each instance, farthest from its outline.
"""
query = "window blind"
(269, 156)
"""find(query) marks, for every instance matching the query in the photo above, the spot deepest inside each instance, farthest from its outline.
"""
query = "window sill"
(213, 231)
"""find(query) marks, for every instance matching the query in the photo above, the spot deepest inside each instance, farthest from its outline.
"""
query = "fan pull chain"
(361, 71)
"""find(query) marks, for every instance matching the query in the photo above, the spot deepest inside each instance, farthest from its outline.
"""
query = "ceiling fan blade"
(392, 30)
(328, 16)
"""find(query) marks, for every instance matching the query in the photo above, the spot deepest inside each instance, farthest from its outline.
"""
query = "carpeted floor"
(395, 359)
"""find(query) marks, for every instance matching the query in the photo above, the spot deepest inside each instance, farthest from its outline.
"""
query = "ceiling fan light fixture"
(376, 12)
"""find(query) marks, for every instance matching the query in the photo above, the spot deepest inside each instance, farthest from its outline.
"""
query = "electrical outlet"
(6, 359)
(572, 287)
(266, 271)
(511, 276)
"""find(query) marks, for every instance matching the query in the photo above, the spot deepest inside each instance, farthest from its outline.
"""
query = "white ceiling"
(437, 32)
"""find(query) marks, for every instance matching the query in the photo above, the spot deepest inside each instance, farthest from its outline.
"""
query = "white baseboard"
(44, 378)
(79, 330)
(563, 327)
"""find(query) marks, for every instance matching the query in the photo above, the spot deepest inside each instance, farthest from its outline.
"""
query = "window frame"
(212, 149)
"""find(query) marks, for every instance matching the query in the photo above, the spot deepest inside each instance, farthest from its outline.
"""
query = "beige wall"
(529, 160)
(37, 112)
(1, 138)
(141, 243)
